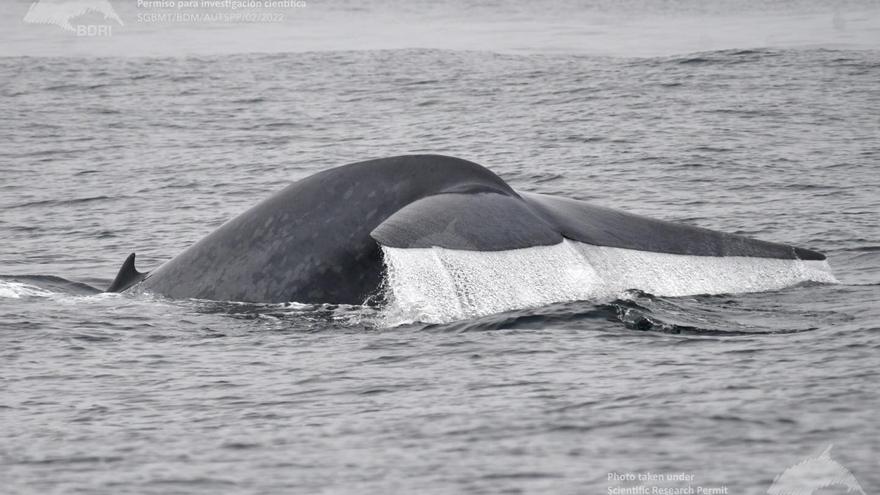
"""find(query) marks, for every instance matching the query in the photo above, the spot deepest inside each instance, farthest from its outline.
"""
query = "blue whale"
(319, 239)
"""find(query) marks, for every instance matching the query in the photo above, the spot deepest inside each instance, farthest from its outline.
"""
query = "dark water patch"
(107, 111)
(60, 461)
(866, 249)
(580, 405)
(186, 78)
(240, 445)
(811, 187)
(423, 82)
(641, 311)
(524, 383)
(694, 60)
(726, 57)
(70, 87)
(585, 139)
(712, 149)
(201, 482)
(250, 101)
(546, 177)
(92, 338)
(562, 315)
(743, 112)
(282, 125)
(24, 228)
(522, 476)
(388, 359)
(65, 202)
(375, 391)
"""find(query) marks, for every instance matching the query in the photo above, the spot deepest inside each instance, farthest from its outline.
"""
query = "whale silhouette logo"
(62, 12)
(813, 474)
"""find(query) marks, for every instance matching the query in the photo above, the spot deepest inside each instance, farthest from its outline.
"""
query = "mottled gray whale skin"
(318, 240)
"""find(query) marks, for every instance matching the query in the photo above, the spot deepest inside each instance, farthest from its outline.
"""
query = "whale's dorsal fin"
(481, 221)
(127, 276)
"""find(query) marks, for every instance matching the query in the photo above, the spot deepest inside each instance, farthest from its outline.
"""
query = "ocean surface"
(104, 154)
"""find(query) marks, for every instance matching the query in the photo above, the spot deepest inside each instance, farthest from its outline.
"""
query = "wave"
(726, 57)
(633, 311)
(704, 316)
(310, 317)
(63, 202)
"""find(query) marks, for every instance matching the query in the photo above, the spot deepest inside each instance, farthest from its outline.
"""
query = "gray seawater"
(120, 394)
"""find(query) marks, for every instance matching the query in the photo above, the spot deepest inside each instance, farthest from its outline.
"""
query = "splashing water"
(438, 285)
(16, 290)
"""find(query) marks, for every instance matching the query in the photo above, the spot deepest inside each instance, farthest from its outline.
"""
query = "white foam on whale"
(438, 285)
